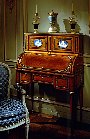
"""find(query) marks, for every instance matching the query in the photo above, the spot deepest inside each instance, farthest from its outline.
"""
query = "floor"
(48, 127)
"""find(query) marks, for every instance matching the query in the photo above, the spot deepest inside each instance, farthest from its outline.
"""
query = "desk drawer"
(25, 78)
(62, 83)
(43, 79)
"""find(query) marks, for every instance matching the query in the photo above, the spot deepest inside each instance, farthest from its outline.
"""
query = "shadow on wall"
(67, 26)
(86, 44)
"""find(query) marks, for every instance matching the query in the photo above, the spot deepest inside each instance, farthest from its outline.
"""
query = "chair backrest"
(4, 80)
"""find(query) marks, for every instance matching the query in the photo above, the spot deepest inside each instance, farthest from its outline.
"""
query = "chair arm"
(12, 92)
(23, 92)
(20, 91)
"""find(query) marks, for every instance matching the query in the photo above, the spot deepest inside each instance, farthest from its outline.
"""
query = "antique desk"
(55, 59)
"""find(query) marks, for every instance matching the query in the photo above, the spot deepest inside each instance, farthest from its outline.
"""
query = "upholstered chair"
(13, 111)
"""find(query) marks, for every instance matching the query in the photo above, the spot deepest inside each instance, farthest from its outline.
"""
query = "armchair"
(13, 111)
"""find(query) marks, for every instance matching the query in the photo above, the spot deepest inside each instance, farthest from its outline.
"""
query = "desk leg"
(32, 94)
(73, 110)
(41, 93)
(81, 102)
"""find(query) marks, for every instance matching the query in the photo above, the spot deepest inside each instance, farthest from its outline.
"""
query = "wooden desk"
(55, 59)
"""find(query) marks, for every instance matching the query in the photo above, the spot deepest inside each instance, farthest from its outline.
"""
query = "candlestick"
(72, 6)
(36, 22)
(36, 8)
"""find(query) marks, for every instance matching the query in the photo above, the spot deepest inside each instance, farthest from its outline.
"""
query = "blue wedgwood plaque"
(63, 44)
(38, 42)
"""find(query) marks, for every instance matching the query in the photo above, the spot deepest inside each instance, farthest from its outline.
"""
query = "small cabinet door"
(62, 44)
(36, 43)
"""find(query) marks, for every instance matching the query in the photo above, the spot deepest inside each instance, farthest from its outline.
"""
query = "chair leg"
(8, 131)
(27, 130)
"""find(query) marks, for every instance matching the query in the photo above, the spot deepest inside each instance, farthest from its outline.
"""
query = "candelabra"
(72, 22)
(36, 22)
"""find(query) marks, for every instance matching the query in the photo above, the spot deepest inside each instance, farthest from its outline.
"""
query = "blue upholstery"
(13, 112)
(4, 81)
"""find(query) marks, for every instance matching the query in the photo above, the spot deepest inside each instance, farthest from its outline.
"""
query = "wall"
(14, 24)
(11, 32)
(64, 8)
